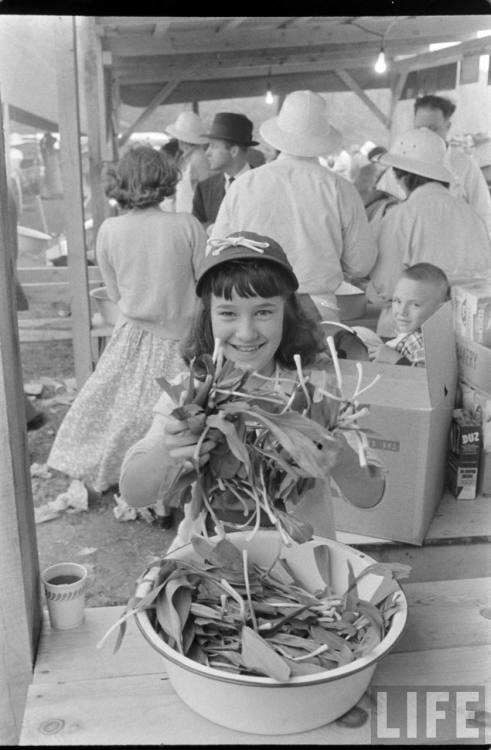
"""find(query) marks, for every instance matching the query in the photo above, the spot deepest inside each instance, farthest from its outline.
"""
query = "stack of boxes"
(472, 323)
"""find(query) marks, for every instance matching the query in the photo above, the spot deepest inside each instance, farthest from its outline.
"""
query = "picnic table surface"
(82, 695)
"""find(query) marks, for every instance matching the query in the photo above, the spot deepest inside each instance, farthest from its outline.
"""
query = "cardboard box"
(472, 311)
(474, 363)
(410, 413)
(464, 453)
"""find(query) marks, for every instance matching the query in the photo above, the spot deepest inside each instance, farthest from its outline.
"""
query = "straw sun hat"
(301, 128)
(188, 128)
(419, 151)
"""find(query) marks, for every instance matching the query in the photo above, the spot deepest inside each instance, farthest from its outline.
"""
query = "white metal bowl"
(107, 308)
(262, 705)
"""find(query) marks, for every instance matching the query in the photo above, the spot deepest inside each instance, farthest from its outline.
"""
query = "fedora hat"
(188, 128)
(419, 151)
(301, 128)
(231, 126)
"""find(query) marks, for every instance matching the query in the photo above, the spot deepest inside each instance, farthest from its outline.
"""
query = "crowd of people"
(213, 239)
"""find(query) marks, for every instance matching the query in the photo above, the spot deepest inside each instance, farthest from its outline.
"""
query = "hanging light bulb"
(381, 64)
(269, 98)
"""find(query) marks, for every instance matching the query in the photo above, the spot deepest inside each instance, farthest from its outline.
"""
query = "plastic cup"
(64, 586)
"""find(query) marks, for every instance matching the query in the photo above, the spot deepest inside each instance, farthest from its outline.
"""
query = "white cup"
(64, 586)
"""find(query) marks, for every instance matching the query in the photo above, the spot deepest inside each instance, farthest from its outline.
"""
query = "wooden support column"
(356, 88)
(20, 608)
(71, 170)
(96, 119)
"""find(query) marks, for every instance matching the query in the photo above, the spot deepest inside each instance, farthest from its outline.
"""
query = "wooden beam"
(156, 102)
(233, 23)
(71, 170)
(249, 38)
(96, 118)
(396, 91)
(155, 73)
(168, 67)
(20, 611)
(444, 56)
(356, 88)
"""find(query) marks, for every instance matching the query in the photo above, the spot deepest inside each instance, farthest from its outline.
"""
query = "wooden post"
(71, 170)
(96, 121)
(20, 609)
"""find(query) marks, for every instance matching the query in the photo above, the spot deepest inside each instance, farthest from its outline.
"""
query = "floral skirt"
(114, 407)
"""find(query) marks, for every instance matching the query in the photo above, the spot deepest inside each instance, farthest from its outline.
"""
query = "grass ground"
(115, 552)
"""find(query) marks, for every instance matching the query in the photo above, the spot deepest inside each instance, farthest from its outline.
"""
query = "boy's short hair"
(431, 274)
(431, 101)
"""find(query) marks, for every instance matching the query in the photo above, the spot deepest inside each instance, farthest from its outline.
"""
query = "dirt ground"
(115, 552)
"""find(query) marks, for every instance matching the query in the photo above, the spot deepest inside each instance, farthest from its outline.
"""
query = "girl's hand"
(383, 353)
(182, 444)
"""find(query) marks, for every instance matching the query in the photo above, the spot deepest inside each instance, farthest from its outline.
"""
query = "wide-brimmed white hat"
(482, 153)
(419, 151)
(188, 128)
(301, 128)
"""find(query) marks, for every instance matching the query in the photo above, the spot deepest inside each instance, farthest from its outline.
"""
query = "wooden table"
(84, 696)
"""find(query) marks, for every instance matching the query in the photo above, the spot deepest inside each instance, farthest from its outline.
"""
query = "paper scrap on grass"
(124, 512)
(41, 471)
(74, 500)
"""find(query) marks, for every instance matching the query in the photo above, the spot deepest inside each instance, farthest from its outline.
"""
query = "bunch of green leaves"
(229, 613)
(272, 442)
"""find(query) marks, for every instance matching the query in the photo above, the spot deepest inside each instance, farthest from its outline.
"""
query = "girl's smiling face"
(250, 329)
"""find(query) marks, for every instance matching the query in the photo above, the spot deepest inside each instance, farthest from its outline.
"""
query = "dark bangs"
(248, 278)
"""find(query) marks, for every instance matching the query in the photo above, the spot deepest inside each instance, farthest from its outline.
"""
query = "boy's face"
(413, 302)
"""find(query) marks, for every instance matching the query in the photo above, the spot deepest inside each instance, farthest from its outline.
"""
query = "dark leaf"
(322, 560)
(258, 654)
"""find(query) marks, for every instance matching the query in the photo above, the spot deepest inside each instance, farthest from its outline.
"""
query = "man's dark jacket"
(207, 197)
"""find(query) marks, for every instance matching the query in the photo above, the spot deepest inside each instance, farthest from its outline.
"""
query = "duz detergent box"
(464, 454)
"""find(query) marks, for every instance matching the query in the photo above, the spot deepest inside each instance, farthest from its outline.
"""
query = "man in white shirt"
(229, 140)
(315, 215)
(434, 112)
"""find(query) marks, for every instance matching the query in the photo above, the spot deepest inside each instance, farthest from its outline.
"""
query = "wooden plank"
(443, 56)
(145, 710)
(436, 562)
(71, 168)
(50, 274)
(356, 88)
(445, 614)
(20, 610)
(52, 292)
(454, 520)
(96, 117)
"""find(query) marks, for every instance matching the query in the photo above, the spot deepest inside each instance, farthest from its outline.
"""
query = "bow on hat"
(215, 247)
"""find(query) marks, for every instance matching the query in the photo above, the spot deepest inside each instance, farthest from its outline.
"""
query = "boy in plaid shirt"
(420, 291)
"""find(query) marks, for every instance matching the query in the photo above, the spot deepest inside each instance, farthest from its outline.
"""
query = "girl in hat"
(246, 289)
(147, 259)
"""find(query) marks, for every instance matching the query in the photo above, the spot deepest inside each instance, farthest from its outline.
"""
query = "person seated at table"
(420, 291)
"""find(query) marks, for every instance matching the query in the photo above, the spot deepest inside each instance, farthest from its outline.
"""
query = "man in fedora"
(229, 140)
(188, 130)
(316, 216)
(430, 226)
